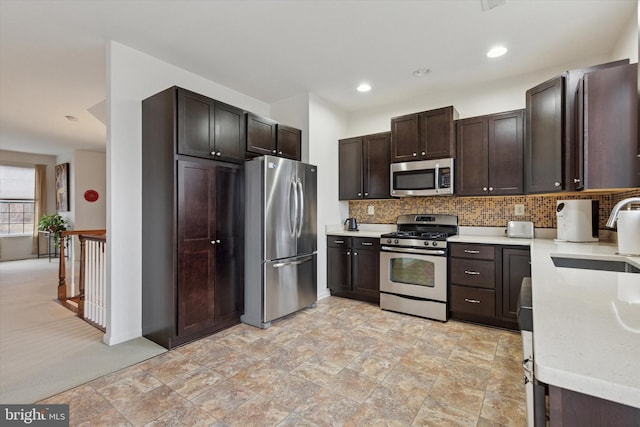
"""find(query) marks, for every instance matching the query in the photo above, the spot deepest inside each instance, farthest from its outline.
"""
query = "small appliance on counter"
(628, 225)
(520, 229)
(351, 224)
(577, 220)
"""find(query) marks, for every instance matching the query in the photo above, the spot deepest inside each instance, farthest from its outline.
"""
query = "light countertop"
(364, 230)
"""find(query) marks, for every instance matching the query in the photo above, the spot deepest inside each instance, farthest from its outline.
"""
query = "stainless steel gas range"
(413, 265)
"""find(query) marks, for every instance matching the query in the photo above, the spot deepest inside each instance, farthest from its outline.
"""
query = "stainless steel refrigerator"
(280, 239)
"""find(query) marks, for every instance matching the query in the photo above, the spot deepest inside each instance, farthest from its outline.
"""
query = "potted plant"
(54, 224)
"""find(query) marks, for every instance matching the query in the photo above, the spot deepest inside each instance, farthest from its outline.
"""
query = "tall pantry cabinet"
(192, 240)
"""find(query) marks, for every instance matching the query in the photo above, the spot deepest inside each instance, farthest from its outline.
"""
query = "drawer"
(461, 250)
(473, 272)
(372, 243)
(338, 241)
(481, 302)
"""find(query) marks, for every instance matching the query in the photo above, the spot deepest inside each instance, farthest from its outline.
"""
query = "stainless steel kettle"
(351, 224)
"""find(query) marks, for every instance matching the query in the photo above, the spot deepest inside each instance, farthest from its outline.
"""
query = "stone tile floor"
(342, 363)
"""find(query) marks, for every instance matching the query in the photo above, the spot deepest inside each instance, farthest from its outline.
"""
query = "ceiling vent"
(490, 4)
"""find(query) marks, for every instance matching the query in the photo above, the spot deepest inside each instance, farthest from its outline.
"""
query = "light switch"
(370, 210)
(518, 209)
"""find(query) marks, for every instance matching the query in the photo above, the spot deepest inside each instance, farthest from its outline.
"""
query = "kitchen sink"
(595, 264)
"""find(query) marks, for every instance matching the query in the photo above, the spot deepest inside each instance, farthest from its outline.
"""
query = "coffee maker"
(577, 220)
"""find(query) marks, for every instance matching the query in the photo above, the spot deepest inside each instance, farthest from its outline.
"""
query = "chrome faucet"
(616, 209)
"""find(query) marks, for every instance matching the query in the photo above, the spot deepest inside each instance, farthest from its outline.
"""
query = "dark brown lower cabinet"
(353, 267)
(569, 408)
(484, 282)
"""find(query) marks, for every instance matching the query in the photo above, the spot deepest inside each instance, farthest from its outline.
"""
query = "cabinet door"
(196, 253)
(472, 174)
(506, 135)
(289, 142)
(437, 134)
(543, 165)
(339, 268)
(195, 124)
(515, 266)
(366, 272)
(610, 128)
(376, 152)
(405, 138)
(261, 135)
(229, 241)
(229, 136)
(350, 169)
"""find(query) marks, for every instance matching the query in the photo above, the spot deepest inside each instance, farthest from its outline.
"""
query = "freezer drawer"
(290, 285)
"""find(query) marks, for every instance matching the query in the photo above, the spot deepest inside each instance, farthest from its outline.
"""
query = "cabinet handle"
(424, 153)
(490, 188)
(340, 242)
(367, 244)
(355, 253)
(280, 152)
(557, 184)
(484, 188)
(359, 194)
(348, 252)
(366, 194)
(576, 180)
(274, 151)
(472, 273)
(470, 251)
(415, 154)
(213, 153)
(472, 301)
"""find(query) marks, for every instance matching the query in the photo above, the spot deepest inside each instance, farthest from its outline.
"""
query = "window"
(17, 186)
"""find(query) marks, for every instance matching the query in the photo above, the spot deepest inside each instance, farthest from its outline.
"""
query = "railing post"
(62, 271)
(82, 276)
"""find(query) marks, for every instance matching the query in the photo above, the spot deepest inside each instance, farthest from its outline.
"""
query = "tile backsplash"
(484, 211)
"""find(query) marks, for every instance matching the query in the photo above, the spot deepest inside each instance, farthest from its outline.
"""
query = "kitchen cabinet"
(192, 234)
(568, 408)
(426, 135)
(607, 128)
(353, 267)
(484, 282)
(268, 137)
(208, 128)
(554, 155)
(363, 167)
(490, 154)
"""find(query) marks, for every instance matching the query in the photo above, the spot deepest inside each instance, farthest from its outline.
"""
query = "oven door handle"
(412, 251)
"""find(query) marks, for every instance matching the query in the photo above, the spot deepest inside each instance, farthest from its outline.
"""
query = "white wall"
(326, 125)
(13, 248)
(131, 77)
(294, 112)
(627, 45)
(90, 173)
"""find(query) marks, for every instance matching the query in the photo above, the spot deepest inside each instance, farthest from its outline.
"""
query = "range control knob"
(434, 243)
(426, 243)
(388, 240)
(396, 241)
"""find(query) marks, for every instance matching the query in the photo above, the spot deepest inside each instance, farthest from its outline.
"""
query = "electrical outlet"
(370, 210)
(518, 209)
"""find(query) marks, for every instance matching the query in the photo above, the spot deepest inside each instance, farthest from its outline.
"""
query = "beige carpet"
(46, 349)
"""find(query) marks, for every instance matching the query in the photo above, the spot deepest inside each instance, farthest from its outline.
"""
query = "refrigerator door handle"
(297, 262)
(293, 216)
(301, 206)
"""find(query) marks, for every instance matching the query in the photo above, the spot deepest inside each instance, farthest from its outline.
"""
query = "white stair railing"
(91, 305)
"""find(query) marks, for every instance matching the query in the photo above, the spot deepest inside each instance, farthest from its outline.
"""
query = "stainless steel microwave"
(422, 178)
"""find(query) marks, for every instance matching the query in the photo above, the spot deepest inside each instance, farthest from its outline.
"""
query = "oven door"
(411, 272)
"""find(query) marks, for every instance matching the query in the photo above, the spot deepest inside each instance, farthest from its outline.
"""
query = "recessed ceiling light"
(364, 87)
(71, 118)
(494, 52)
(421, 72)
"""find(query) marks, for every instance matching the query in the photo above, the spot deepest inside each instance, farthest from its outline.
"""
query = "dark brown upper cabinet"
(490, 154)
(426, 135)
(554, 158)
(268, 137)
(363, 167)
(208, 128)
(607, 128)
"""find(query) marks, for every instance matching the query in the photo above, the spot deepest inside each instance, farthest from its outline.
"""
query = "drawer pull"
(469, 251)
(472, 301)
(472, 273)
(338, 241)
(367, 244)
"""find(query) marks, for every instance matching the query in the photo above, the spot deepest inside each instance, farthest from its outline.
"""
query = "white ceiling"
(52, 52)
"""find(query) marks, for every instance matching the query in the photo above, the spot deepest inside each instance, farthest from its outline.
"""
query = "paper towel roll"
(629, 232)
